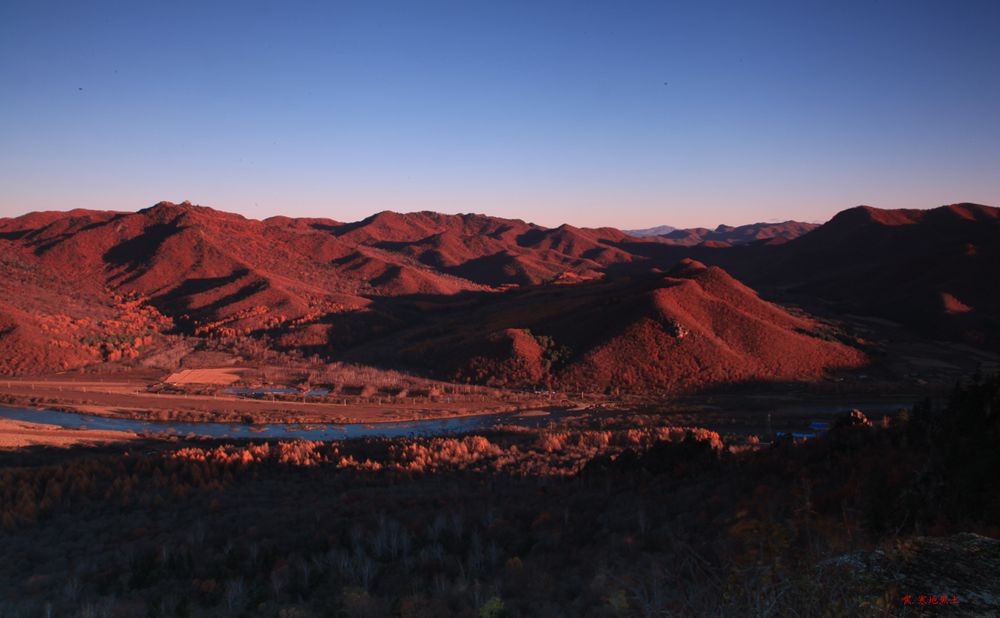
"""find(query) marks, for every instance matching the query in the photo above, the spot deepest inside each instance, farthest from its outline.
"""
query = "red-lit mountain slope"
(691, 328)
(82, 286)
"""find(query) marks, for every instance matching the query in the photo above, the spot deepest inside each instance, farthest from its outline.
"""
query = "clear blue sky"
(628, 114)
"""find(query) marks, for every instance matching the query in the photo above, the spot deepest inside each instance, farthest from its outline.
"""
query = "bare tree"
(234, 593)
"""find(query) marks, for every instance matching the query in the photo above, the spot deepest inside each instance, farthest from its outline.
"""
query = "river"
(803, 420)
(310, 431)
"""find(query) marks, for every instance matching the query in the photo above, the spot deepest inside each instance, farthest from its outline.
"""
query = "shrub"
(493, 608)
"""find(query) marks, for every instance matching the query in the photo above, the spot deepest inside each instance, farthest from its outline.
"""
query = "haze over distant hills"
(659, 230)
(726, 234)
(738, 235)
(488, 299)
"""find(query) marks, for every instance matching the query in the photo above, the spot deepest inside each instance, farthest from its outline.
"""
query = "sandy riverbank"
(17, 434)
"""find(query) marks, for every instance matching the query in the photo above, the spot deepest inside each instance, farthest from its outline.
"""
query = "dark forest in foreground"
(604, 516)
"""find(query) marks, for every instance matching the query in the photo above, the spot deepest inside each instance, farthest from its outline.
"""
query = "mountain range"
(490, 300)
(726, 235)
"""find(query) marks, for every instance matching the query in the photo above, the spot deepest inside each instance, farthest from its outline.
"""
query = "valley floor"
(599, 515)
(132, 396)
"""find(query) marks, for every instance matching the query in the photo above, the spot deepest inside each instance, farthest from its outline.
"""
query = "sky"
(626, 114)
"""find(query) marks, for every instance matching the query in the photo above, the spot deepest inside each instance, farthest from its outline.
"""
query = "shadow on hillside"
(498, 269)
(18, 235)
(436, 335)
(137, 252)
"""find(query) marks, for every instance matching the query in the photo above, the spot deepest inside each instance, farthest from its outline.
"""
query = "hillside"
(463, 292)
(70, 278)
(927, 269)
(692, 327)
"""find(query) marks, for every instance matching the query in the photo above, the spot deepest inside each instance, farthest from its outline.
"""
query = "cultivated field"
(204, 376)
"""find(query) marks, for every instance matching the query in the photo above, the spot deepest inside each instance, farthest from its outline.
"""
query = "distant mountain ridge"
(659, 230)
(82, 286)
(727, 234)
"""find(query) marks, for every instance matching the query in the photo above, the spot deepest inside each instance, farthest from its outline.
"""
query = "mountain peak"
(870, 215)
(168, 204)
(172, 208)
(968, 211)
(165, 211)
(687, 267)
